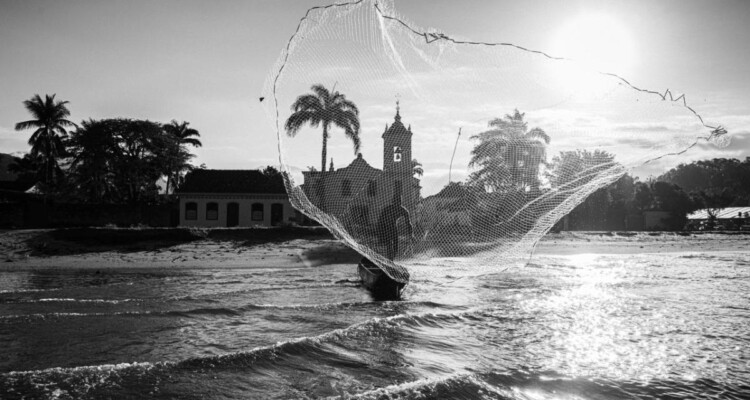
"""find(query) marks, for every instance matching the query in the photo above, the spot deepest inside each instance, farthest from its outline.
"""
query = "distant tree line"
(117, 160)
(706, 184)
(508, 160)
(716, 183)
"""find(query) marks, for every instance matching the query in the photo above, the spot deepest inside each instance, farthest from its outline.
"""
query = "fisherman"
(387, 225)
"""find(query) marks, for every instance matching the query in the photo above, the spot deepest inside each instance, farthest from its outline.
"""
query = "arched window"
(191, 211)
(212, 211)
(256, 212)
(372, 188)
(346, 188)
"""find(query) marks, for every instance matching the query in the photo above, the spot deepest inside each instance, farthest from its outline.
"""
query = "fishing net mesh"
(419, 149)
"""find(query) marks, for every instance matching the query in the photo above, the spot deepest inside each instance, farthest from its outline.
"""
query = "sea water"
(645, 326)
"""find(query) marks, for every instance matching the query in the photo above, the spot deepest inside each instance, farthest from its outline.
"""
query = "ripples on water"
(663, 326)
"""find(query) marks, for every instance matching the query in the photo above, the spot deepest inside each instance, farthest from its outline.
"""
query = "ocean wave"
(75, 382)
(223, 311)
(524, 385)
(266, 289)
(71, 382)
(169, 313)
(355, 304)
(70, 300)
(371, 327)
(18, 291)
(428, 388)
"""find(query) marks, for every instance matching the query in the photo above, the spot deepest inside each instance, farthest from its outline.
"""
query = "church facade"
(357, 193)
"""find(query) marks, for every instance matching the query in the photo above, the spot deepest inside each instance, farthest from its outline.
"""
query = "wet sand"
(246, 248)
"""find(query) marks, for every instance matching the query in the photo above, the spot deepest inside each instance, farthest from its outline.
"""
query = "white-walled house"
(229, 198)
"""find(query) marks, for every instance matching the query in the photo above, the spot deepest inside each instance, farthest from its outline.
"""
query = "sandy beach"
(264, 248)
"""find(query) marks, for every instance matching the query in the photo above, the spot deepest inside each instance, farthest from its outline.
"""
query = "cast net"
(423, 150)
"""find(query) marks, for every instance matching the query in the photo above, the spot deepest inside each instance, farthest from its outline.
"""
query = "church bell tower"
(397, 146)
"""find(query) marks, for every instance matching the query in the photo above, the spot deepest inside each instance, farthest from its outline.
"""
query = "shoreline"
(104, 248)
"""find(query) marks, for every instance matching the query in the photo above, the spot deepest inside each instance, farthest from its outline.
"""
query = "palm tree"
(47, 140)
(508, 155)
(325, 108)
(183, 136)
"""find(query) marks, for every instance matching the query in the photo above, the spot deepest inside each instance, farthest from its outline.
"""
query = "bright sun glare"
(597, 41)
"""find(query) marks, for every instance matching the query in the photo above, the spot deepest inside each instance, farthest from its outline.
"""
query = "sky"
(207, 62)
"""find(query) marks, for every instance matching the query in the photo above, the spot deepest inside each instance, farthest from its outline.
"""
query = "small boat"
(382, 286)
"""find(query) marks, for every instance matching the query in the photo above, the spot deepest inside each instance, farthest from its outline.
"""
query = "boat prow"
(382, 286)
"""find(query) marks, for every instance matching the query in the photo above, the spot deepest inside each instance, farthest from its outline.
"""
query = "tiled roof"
(456, 190)
(231, 181)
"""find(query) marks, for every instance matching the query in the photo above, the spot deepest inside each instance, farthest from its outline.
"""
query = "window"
(346, 188)
(191, 211)
(396, 154)
(372, 188)
(212, 211)
(256, 212)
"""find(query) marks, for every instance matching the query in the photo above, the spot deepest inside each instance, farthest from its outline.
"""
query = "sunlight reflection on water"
(594, 330)
(565, 327)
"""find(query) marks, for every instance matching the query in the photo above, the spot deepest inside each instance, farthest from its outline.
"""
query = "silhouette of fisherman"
(387, 225)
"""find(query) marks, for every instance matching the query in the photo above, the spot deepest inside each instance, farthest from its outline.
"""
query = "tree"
(145, 153)
(28, 168)
(606, 207)
(643, 199)
(670, 197)
(270, 171)
(94, 150)
(325, 108)
(178, 156)
(508, 155)
(416, 168)
(47, 140)
(120, 160)
(578, 167)
(720, 182)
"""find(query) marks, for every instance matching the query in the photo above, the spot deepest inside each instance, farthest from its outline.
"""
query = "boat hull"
(382, 286)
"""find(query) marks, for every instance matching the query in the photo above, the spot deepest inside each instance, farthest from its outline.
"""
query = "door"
(277, 214)
(233, 214)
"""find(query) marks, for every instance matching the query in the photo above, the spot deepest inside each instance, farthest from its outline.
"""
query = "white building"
(228, 198)
(357, 193)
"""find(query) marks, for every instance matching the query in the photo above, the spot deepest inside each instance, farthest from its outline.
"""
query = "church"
(357, 193)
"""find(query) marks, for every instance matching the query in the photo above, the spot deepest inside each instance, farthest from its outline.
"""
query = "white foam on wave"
(85, 369)
(91, 377)
(72, 300)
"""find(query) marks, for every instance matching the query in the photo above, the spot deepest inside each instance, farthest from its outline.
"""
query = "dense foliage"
(507, 157)
(717, 183)
(115, 160)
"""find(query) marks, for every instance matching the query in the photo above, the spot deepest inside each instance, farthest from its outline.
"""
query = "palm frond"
(538, 133)
(308, 102)
(295, 121)
(21, 126)
(323, 94)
